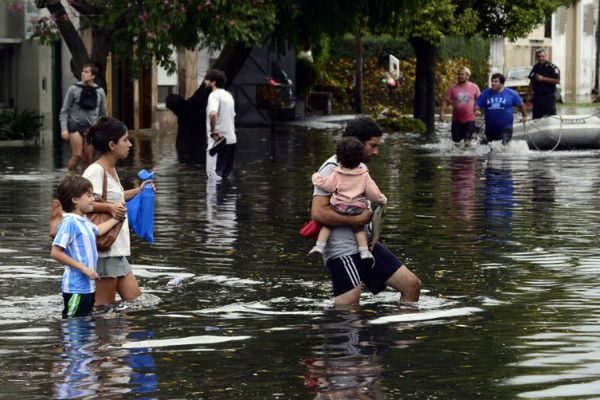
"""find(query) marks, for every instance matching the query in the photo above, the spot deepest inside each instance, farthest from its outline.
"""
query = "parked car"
(518, 80)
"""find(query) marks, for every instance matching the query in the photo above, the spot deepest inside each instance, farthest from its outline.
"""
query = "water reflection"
(543, 187)
(462, 188)
(93, 364)
(498, 200)
(348, 365)
(76, 374)
(221, 215)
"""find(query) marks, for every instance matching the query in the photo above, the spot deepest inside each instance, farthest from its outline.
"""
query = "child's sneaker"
(365, 253)
(318, 250)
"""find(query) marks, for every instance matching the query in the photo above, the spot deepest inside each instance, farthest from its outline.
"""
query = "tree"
(491, 18)
(143, 32)
(304, 22)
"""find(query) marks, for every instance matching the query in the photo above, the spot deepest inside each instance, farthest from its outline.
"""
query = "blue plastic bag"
(140, 210)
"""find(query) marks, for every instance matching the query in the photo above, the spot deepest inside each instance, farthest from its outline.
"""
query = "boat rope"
(560, 130)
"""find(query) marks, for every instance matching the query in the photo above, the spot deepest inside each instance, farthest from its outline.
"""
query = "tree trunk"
(191, 113)
(187, 71)
(358, 74)
(100, 50)
(424, 103)
(68, 33)
(79, 54)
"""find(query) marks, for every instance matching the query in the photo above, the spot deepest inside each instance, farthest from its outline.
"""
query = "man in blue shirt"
(498, 103)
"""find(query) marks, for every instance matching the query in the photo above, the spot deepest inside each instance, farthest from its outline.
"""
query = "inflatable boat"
(560, 132)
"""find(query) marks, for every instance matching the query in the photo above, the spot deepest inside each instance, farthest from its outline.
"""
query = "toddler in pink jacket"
(350, 186)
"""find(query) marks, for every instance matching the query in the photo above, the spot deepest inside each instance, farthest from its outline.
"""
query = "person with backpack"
(84, 104)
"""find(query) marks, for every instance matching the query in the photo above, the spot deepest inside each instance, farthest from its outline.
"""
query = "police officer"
(544, 77)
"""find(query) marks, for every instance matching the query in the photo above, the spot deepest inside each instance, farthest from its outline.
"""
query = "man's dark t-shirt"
(547, 70)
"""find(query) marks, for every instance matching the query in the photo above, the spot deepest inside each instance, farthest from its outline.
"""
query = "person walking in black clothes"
(544, 77)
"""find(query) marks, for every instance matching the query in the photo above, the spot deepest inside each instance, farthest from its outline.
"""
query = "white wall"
(581, 41)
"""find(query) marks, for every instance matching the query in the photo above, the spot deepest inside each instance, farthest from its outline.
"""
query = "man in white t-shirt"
(220, 126)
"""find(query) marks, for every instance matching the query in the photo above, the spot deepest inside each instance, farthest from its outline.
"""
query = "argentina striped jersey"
(77, 235)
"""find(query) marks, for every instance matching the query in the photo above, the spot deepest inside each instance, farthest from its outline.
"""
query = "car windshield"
(519, 73)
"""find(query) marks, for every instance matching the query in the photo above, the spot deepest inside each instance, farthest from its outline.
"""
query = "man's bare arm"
(212, 117)
(322, 213)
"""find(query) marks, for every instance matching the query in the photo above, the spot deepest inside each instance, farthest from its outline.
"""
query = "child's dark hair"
(104, 131)
(350, 152)
(69, 187)
(217, 76)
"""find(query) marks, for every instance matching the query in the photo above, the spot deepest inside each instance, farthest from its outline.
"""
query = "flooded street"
(505, 243)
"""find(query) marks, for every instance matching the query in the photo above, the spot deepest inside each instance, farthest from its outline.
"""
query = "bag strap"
(104, 185)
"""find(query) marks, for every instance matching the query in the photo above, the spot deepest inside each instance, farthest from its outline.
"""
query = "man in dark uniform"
(544, 77)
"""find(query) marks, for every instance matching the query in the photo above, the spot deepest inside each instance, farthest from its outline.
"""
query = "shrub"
(394, 121)
(338, 78)
(20, 125)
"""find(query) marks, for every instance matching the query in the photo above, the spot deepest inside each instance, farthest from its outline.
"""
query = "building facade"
(570, 40)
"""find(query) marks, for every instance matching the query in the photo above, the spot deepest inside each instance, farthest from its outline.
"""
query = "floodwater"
(505, 243)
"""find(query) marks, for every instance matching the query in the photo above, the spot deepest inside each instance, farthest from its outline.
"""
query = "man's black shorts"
(78, 304)
(503, 134)
(349, 271)
(462, 131)
(544, 105)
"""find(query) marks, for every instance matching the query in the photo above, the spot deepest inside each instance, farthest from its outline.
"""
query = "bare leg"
(407, 283)
(324, 234)
(127, 287)
(76, 150)
(361, 238)
(106, 288)
(349, 298)
(87, 155)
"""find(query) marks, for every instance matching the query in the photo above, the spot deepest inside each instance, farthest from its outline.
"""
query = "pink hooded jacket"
(350, 186)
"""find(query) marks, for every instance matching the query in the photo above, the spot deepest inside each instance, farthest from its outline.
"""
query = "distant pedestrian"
(75, 245)
(220, 126)
(498, 103)
(462, 95)
(84, 103)
(543, 78)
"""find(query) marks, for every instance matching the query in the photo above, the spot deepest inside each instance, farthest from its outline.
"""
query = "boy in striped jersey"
(75, 245)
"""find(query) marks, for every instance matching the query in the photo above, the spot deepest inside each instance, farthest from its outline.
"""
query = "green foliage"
(337, 77)
(513, 19)
(439, 18)
(145, 31)
(378, 47)
(393, 121)
(307, 74)
(23, 125)
(149, 30)
(474, 50)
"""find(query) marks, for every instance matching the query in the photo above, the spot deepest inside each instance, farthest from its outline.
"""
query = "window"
(167, 84)
(6, 100)
(548, 27)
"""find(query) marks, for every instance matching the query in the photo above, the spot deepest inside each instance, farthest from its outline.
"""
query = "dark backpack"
(88, 99)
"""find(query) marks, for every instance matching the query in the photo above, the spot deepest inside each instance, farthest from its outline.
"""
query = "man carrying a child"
(348, 271)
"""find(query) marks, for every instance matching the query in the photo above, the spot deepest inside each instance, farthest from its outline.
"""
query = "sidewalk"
(337, 121)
